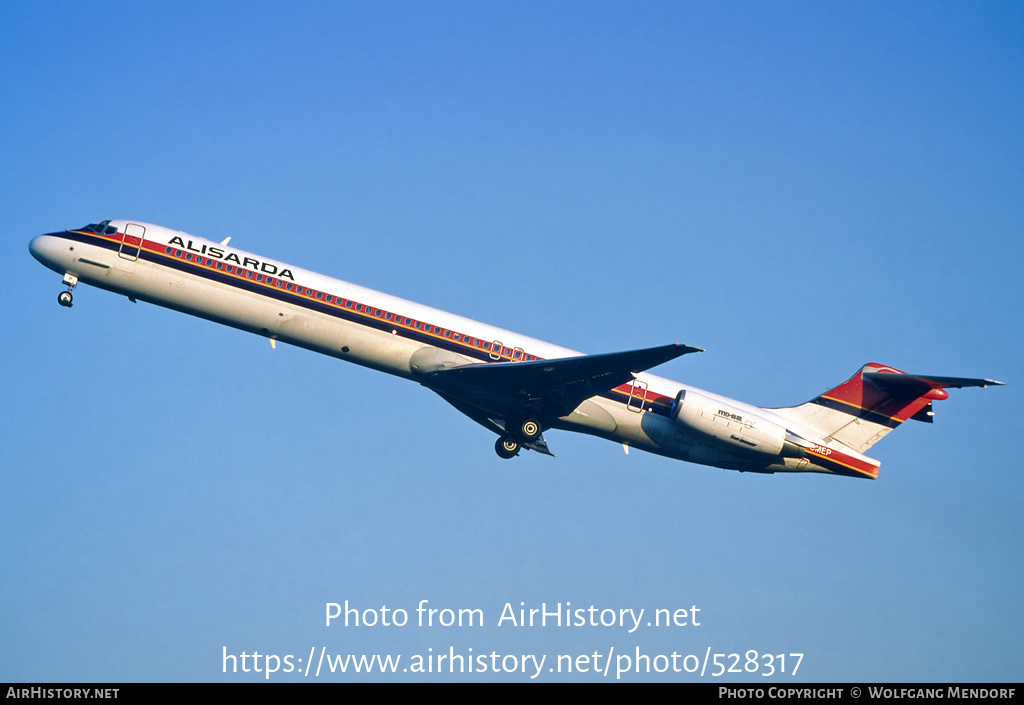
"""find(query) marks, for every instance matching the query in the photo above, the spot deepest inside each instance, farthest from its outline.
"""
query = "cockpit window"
(103, 228)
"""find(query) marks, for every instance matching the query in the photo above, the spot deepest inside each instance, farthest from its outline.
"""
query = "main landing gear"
(64, 298)
(509, 445)
(506, 447)
(529, 430)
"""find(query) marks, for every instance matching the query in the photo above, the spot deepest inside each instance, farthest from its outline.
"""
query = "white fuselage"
(350, 322)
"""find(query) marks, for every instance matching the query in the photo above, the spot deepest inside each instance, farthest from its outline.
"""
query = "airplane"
(513, 385)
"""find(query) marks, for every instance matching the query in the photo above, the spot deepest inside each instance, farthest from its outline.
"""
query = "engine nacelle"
(736, 429)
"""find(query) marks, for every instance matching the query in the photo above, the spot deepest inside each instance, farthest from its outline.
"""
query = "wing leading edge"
(552, 387)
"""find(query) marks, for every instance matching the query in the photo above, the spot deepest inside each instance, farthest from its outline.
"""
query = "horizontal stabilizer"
(920, 383)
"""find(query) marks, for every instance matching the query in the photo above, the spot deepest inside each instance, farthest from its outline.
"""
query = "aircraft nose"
(39, 246)
(36, 245)
(46, 249)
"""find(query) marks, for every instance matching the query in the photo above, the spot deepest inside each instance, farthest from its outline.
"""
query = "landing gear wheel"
(64, 298)
(506, 447)
(530, 430)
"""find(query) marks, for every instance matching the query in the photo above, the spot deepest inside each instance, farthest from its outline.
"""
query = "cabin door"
(638, 395)
(131, 241)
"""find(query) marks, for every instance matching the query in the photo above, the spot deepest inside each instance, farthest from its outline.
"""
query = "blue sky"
(797, 187)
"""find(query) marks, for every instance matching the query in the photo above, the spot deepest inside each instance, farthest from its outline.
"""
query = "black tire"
(506, 447)
(65, 299)
(530, 430)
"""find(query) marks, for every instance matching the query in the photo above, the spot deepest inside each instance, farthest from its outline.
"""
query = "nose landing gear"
(64, 298)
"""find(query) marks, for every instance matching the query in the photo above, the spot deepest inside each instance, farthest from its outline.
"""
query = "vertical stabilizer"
(863, 409)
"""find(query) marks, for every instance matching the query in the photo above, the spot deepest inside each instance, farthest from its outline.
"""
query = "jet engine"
(736, 429)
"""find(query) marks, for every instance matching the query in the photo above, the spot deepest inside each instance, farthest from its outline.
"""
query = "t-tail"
(865, 408)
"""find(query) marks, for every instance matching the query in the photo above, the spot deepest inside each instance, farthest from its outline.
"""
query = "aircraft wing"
(548, 388)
